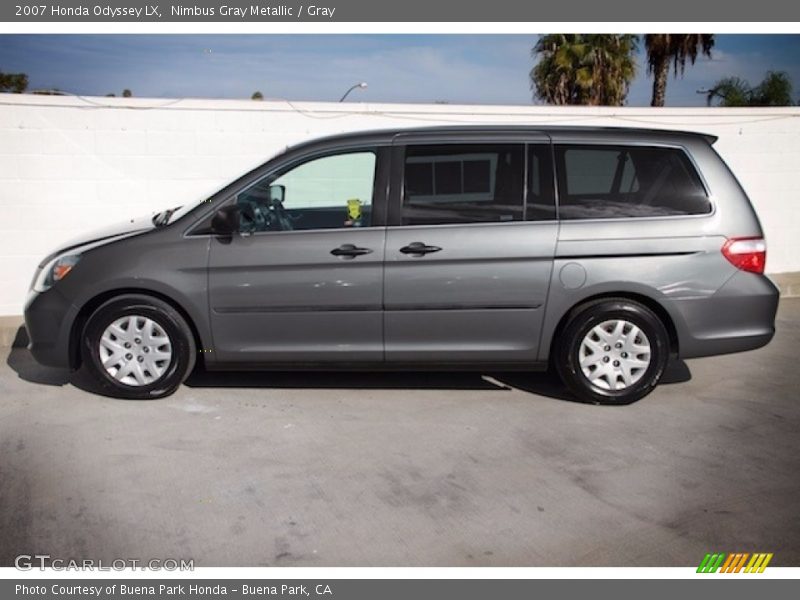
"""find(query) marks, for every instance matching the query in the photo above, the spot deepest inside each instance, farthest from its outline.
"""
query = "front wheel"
(138, 347)
(612, 351)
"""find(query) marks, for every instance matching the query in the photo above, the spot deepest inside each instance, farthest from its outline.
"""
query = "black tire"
(184, 352)
(581, 321)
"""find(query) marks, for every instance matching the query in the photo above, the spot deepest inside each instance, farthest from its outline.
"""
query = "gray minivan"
(599, 251)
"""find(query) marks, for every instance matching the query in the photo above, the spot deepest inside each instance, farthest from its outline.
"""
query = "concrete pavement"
(407, 469)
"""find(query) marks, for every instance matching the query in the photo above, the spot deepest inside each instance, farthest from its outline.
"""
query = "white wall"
(69, 164)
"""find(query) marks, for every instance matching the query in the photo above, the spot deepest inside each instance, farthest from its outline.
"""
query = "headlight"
(55, 271)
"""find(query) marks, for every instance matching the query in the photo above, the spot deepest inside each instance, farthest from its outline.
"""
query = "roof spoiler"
(711, 139)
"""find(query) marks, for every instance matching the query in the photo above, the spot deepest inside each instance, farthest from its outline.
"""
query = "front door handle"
(350, 251)
(419, 249)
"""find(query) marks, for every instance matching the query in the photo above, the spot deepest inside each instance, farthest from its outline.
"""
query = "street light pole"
(362, 85)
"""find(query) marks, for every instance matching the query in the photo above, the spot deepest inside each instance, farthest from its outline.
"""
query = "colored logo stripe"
(758, 563)
(734, 562)
(711, 562)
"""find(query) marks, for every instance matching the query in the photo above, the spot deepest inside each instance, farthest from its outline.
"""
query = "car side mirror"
(226, 221)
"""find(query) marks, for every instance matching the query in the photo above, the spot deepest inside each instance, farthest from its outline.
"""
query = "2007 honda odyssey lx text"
(600, 251)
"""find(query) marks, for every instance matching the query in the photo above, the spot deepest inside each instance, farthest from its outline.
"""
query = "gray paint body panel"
(284, 297)
(446, 306)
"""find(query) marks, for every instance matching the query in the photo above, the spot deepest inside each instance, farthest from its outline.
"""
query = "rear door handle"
(419, 249)
(350, 251)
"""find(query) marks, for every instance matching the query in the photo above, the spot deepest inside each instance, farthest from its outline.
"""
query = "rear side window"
(463, 183)
(608, 182)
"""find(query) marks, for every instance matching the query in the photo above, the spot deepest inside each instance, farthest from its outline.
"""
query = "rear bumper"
(740, 316)
(48, 320)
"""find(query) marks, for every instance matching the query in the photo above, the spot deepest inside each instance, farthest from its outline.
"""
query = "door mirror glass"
(277, 193)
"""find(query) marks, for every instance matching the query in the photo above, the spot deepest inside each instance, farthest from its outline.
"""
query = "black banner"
(396, 589)
(407, 11)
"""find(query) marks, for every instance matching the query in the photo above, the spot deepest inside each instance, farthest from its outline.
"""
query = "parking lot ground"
(414, 469)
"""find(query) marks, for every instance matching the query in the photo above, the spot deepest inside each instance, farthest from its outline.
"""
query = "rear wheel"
(612, 351)
(138, 347)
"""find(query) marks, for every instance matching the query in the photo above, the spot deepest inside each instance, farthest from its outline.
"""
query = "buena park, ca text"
(154, 11)
(97, 591)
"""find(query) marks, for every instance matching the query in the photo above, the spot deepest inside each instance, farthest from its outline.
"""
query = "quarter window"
(463, 183)
(603, 182)
(323, 193)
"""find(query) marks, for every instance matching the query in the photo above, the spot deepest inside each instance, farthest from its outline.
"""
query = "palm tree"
(13, 82)
(594, 69)
(676, 48)
(731, 91)
(774, 90)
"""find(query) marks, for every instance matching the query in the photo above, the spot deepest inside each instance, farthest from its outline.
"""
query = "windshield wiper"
(162, 218)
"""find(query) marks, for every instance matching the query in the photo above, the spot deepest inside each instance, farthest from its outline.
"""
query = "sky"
(484, 69)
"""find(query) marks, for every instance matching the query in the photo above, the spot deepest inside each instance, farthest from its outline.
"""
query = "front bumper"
(48, 319)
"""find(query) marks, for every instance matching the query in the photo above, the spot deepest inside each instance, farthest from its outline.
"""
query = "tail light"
(746, 253)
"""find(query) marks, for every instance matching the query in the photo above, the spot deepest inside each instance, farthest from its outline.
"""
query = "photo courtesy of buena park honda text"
(435, 300)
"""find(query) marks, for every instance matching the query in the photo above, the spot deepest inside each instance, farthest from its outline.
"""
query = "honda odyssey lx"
(599, 251)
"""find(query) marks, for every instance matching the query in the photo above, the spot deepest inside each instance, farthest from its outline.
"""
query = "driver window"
(330, 192)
